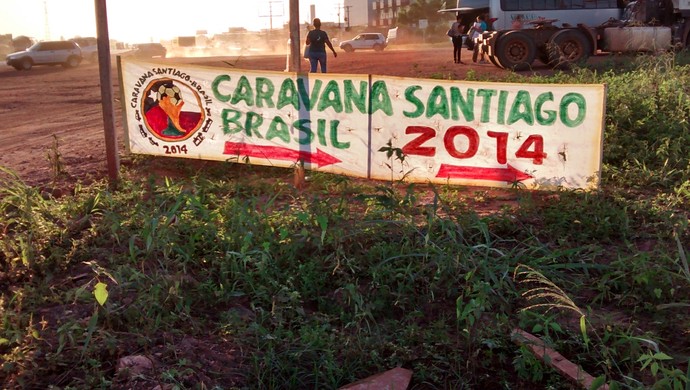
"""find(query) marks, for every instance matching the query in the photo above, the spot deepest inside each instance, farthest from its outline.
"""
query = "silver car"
(65, 53)
(364, 41)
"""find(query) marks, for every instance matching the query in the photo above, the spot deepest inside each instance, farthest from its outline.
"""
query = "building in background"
(385, 12)
(373, 13)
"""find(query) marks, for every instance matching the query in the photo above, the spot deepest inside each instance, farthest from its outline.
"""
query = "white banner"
(541, 136)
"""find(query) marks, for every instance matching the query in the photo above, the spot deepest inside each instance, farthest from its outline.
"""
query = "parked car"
(149, 50)
(364, 41)
(65, 53)
(89, 48)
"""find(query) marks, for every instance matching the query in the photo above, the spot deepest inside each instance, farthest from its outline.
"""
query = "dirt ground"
(49, 106)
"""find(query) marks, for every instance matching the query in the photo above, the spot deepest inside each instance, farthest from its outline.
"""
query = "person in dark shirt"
(456, 30)
(317, 40)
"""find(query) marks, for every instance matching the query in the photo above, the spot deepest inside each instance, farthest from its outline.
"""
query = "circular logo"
(172, 110)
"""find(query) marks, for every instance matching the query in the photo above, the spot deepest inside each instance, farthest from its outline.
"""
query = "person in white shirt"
(475, 32)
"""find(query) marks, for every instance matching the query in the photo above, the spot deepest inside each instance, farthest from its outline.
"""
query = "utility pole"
(47, 25)
(339, 6)
(270, 12)
(347, 16)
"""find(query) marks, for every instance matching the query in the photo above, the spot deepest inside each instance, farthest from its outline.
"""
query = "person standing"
(475, 32)
(317, 40)
(489, 22)
(456, 30)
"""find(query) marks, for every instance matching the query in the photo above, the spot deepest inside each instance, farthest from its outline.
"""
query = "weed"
(400, 156)
(54, 157)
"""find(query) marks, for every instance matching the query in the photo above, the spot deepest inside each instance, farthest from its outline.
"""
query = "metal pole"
(295, 42)
(347, 13)
(104, 66)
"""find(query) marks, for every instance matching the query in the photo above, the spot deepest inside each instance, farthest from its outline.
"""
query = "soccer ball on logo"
(172, 92)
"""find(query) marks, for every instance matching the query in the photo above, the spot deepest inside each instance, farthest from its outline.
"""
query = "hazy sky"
(152, 20)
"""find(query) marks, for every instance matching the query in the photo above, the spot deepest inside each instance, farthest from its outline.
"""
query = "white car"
(65, 53)
(364, 41)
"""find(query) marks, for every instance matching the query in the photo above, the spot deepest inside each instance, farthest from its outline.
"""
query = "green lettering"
(437, 103)
(359, 99)
(243, 92)
(465, 105)
(308, 101)
(303, 126)
(416, 102)
(334, 136)
(486, 95)
(278, 128)
(331, 97)
(231, 117)
(264, 92)
(214, 88)
(544, 117)
(287, 96)
(580, 103)
(321, 131)
(380, 100)
(252, 123)
(502, 103)
(521, 109)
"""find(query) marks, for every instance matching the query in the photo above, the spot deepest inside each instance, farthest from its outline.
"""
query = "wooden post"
(295, 41)
(105, 70)
(552, 358)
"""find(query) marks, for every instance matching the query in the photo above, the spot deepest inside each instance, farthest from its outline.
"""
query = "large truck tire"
(516, 50)
(568, 47)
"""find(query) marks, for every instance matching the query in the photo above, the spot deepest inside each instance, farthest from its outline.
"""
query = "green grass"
(231, 278)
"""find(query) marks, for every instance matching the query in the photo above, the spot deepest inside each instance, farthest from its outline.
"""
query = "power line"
(270, 13)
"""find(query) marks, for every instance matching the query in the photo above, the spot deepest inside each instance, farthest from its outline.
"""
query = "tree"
(22, 43)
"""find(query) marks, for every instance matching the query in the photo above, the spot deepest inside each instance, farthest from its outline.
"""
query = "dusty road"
(49, 105)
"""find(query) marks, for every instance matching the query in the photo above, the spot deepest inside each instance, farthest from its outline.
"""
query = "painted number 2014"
(532, 148)
(175, 149)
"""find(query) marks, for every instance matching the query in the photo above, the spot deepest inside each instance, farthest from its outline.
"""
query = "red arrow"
(508, 174)
(321, 159)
